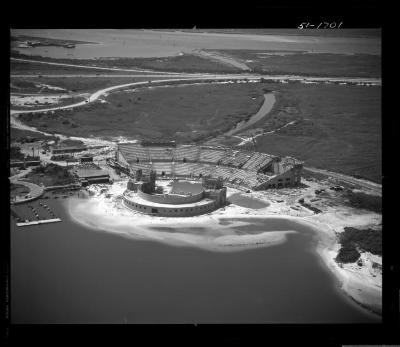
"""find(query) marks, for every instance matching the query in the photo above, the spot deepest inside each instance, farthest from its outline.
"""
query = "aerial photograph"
(195, 175)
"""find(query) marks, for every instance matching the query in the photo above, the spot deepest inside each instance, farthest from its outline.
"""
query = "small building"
(32, 162)
(86, 159)
(22, 164)
(62, 150)
(92, 175)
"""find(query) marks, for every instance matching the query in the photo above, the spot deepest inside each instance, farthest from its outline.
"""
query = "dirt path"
(226, 60)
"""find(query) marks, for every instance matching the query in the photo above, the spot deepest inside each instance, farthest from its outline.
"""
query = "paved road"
(284, 78)
(93, 97)
(376, 188)
(103, 76)
(35, 191)
(163, 73)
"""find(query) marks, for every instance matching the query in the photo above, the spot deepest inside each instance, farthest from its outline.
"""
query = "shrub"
(348, 254)
(368, 240)
(15, 153)
(364, 201)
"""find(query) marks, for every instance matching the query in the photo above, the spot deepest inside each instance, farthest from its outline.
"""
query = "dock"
(36, 222)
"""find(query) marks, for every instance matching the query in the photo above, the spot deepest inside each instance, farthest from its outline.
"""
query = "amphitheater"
(201, 173)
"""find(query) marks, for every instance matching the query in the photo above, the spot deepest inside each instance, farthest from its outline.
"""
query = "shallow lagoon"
(67, 273)
(247, 201)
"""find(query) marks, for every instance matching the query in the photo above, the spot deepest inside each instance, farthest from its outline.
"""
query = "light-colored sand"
(100, 212)
(37, 100)
(363, 284)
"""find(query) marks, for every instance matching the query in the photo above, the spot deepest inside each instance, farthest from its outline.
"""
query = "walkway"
(35, 192)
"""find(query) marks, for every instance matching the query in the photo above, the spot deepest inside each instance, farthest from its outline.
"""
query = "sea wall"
(169, 198)
(171, 211)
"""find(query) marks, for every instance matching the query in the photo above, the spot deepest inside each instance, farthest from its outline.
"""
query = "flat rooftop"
(90, 172)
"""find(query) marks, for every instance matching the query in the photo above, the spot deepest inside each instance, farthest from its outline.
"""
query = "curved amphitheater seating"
(236, 158)
(131, 153)
(190, 153)
(187, 169)
(233, 166)
(160, 167)
(145, 167)
(257, 161)
(211, 155)
(161, 153)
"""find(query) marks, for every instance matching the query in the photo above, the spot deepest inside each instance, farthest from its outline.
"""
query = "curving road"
(93, 97)
(35, 191)
(373, 187)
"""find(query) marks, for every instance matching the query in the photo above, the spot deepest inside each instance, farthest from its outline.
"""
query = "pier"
(36, 222)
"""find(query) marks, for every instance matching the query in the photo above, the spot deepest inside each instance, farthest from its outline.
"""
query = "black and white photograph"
(196, 175)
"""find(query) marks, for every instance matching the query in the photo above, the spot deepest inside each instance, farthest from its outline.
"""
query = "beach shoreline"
(355, 282)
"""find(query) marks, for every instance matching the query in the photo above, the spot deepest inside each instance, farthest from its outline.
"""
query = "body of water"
(247, 201)
(148, 43)
(66, 273)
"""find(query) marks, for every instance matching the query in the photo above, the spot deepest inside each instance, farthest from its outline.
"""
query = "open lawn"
(309, 64)
(187, 113)
(336, 127)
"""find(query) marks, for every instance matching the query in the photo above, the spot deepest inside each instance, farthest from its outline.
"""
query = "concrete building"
(91, 175)
(141, 196)
(62, 150)
(253, 170)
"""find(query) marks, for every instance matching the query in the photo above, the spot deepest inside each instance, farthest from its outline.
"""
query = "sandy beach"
(218, 232)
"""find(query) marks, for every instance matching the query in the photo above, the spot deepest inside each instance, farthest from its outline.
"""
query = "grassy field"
(71, 84)
(186, 114)
(182, 63)
(312, 64)
(26, 68)
(18, 189)
(23, 136)
(337, 127)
